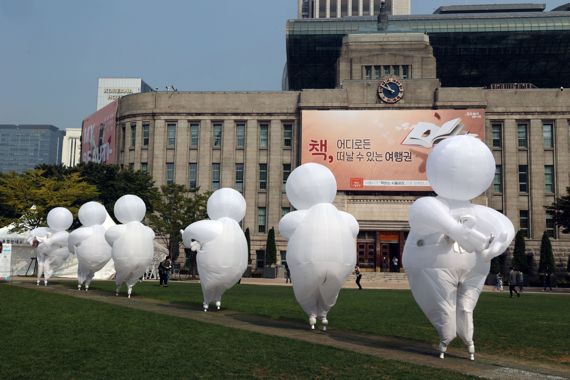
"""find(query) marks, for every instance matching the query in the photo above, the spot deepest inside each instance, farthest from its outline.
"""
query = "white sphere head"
(92, 213)
(460, 168)
(226, 202)
(129, 208)
(59, 219)
(310, 184)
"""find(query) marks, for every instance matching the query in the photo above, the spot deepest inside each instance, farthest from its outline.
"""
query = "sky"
(53, 52)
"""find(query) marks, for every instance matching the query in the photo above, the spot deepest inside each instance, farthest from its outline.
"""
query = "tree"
(248, 239)
(561, 210)
(113, 182)
(546, 264)
(519, 254)
(174, 210)
(31, 195)
(270, 248)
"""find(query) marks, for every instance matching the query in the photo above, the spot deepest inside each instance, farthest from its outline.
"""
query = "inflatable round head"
(226, 202)
(59, 219)
(91, 214)
(129, 208)
(310, 184)
(460, 168)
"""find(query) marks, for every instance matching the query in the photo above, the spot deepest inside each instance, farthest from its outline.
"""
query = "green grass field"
(51, 336)
(535, 326)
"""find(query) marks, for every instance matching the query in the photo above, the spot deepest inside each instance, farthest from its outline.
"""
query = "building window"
(377, 72)
(260, 258)
(522, 135)
(239, 177)
(283, 255)
(171, 135)
(240, 135)
(523, 178)
(550, 225)
(215, 176)
(285, 211)
(263, 135)
(405, 72)
(192, 175)
(287, 135)
(133, 135)
(144, 167)
(262, 176)
(286, 172)
(146, 134)
(261, 219)
(387, 70)
(498, 180)
(217, 130)
(523, 222)
(194, 135)
(497, 133)
(367, 72)
(549, 179)
(169, 173)
(396, 70)
(547, 134)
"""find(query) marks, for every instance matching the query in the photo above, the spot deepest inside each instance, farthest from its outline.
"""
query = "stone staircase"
(381, 280)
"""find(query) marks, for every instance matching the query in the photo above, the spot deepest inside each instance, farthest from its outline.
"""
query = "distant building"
(349, 8)
(110, 89)
(71, 149)
(22, 147)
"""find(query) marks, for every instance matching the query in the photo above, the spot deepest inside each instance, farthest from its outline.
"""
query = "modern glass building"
(22, 147)
(474, 46)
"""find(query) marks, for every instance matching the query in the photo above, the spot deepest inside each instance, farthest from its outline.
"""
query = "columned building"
(384, 98)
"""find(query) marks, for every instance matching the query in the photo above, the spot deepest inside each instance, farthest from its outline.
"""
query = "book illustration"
(427, 134)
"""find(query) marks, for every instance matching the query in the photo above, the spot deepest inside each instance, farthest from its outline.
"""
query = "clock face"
(390, 90)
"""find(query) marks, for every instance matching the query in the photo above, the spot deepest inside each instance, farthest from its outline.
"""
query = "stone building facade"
(251, 141)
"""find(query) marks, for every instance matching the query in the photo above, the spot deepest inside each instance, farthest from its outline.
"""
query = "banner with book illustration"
(384, 150)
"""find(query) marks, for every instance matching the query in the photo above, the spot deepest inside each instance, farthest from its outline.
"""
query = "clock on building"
(390, 90)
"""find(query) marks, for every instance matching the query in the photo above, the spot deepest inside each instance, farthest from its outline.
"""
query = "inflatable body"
(51, 250)
(451, 242)
(321, 249)
(132, 242)
(220, 244)
(89, 244)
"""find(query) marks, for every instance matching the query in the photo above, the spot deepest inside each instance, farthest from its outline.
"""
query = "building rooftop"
(490, 8)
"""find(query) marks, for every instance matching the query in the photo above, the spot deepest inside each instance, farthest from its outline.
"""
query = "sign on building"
(383, 150)
(98, 137)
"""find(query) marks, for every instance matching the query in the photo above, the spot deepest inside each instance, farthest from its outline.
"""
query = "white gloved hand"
(195, 246)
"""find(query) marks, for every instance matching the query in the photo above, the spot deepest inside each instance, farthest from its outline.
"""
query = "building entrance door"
(366, 254)
(391, 243)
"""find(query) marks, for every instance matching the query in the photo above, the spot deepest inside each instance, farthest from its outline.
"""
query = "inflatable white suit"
(220, 243)
(132, 242)
(451, 242)
(51, 243)
(89, 244)
(321, 251)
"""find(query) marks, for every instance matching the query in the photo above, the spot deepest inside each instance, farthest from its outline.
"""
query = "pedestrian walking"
(499, 282)
(287, 274)
(520, 280)
(358, 276)
(164, 271)
(513, 282)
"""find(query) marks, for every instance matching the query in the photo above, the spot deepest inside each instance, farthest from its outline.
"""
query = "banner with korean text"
(98, 136)
(383, 150)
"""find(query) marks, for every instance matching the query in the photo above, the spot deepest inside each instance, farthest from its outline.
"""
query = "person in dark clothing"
(164, 271)
(358, 276)
(287, 274)
(513, 282)
(547, 279)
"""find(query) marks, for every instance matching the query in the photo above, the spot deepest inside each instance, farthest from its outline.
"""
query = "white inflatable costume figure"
(451, 242)
(52, 249)
(132, 242)
(220, 245)
(89, 244)
(321, 251)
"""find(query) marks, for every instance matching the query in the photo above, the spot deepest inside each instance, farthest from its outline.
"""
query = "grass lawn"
(534, 326)
(51, 336)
